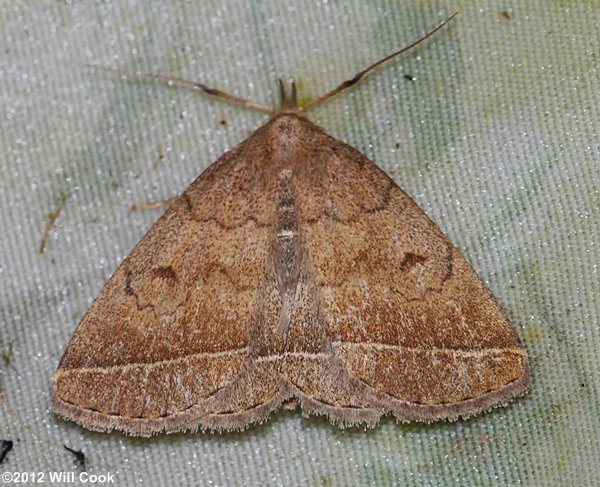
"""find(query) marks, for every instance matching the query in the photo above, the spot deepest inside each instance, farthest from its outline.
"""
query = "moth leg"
(151, 205)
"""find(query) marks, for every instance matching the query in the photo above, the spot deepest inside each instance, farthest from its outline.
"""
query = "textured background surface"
(498, 139)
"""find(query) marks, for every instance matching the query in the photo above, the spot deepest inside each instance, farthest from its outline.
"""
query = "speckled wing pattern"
(292, 268)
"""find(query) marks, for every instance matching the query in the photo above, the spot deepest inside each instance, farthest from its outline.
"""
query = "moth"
(292, 270)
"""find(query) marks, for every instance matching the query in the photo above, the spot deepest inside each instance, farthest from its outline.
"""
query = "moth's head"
(288, 101)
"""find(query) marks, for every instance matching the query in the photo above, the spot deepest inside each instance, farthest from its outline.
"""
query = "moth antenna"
(194, 84)
(361, 74)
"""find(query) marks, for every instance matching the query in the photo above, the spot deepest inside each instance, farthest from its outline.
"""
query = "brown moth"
(292, 269)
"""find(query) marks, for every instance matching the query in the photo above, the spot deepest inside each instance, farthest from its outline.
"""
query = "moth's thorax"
(287, 132)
